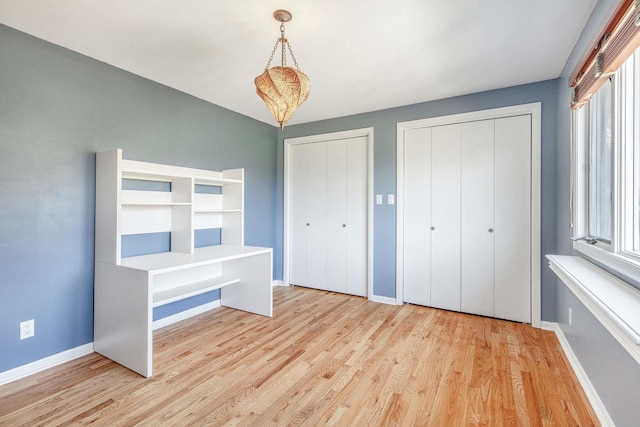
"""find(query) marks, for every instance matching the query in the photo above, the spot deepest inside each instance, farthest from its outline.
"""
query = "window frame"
(616, 254)
(629, 159)
(599, 240)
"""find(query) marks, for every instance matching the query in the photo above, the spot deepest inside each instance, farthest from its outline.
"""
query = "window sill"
(626, 266)
(613, 302)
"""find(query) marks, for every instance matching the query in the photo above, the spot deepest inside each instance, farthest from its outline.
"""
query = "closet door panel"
(298, 221)
(477, 217)
(317, 214)
(356, 224)
(417, 216)
(513, 218)
(336, 211)
(445, 216)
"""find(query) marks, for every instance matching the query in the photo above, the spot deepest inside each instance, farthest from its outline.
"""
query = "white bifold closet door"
(308, 207)
(477, 218)
(328, 215)
(513, 216)
(445, 217)
(467, 217)
(417, 216)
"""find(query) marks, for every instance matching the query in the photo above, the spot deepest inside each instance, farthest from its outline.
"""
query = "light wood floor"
(323, 359)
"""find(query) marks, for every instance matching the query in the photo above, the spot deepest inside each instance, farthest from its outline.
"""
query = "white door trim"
(288, 143)
(534, 109)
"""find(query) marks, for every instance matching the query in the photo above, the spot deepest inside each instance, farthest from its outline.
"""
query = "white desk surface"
(170, 261)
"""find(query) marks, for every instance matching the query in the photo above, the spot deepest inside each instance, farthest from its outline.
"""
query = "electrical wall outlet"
(27, 329)
(570, 316)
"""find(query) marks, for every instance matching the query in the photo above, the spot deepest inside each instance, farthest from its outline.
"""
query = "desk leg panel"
(123, 316)
(254, 293)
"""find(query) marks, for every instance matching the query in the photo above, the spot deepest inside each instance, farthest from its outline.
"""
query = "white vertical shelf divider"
(233, 207)
(127, 289)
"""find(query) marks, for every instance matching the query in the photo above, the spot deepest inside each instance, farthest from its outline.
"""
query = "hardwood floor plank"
(323, 359)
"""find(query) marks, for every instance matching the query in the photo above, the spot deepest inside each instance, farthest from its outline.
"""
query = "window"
(629, 123)
(606, 192)
(600, 179)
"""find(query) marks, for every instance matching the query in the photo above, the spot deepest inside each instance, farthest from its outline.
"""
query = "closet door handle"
(491, 230)
(307, 224)
(344, 225)
(432, 227)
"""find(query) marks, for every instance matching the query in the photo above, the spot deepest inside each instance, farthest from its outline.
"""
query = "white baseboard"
(551, 326)
(590, 391)
(83, 350)
(46, 363)
(383, 300)
(174, 318)
(278, 283)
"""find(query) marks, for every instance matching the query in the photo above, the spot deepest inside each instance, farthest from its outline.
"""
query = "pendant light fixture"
(282, 88)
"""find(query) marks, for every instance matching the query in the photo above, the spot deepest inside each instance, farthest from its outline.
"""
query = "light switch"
(378, 199)
(390, 199)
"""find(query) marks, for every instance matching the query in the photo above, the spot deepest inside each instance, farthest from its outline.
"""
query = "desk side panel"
(254, 293)
(108, 194)
(123, 316)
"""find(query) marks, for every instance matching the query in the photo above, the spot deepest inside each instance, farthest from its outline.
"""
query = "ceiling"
(360, 55)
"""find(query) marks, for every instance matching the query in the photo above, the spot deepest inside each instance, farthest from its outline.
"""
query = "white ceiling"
(360, 55)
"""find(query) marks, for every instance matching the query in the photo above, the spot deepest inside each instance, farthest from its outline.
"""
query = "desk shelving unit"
(127, 289)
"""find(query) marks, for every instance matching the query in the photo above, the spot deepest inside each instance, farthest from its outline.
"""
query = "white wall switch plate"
(391, 199)
(378, 199)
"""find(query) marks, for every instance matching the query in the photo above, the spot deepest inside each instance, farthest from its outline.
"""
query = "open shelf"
(216, 210)
(218, 182)
(156, 204)
(180, 292)
(132, 169)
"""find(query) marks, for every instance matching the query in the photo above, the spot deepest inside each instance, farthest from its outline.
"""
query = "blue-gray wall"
(57, 108)
(612, 371)
(384, 124)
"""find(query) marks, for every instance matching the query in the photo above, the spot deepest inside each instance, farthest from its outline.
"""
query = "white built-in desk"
(127, 289)
(126, 294)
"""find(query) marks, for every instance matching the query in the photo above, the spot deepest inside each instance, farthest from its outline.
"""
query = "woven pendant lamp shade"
(283, 89)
